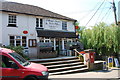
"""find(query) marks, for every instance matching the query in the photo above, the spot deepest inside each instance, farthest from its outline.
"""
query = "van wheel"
(31, 78)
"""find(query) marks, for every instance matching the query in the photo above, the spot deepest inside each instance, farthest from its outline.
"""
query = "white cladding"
(0, 28)
(28, 23)
(119, 11)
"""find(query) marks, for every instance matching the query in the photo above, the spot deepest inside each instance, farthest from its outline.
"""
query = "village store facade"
(39, 31)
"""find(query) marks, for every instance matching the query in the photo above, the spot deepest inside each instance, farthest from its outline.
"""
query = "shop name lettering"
(53, 23)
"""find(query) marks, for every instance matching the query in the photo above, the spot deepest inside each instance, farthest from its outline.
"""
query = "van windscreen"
(19, 58)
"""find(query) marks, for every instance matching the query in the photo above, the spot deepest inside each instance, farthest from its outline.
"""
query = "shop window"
(12, 20)
(45, 40)
(32, 43)
(39, 23)
(64, 25)
(41, 39)
(18, 41)
(69, 40)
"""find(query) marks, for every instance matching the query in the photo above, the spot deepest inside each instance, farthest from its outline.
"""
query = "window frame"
(39, 23)
(64, 25)
(32, 43)
(20, 39)
(12, 20)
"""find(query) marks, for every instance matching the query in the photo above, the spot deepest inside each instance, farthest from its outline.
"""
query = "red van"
(15, 67)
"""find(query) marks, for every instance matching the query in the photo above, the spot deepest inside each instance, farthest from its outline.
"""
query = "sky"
(86, 12)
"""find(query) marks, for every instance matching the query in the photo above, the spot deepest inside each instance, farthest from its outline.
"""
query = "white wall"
(0, 27)
(27, 22)
(71, 26)
(119, 11)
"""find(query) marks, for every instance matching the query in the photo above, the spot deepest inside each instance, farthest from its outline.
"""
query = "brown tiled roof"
(31, 10)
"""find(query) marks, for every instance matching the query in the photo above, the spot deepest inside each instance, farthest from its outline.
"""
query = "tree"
(103, 38)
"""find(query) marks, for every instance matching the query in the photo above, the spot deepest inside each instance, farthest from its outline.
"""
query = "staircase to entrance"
(62, 65)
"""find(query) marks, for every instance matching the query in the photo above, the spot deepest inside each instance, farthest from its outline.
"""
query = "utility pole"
(114, 10)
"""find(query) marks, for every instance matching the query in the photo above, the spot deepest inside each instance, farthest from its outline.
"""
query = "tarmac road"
(111, 74)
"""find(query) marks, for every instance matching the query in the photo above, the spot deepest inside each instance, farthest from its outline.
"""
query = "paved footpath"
(111, 74)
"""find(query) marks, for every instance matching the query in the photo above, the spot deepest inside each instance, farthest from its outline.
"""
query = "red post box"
(89, 58)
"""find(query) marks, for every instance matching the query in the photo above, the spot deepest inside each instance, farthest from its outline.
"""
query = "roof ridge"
(33, 9)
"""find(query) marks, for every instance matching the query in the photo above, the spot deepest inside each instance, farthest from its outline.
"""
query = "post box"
(89, 58)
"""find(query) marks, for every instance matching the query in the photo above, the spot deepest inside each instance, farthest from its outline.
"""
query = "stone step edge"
(59, 62)
(52, 59)
(66, 68)
(70, 71)
(66, 64)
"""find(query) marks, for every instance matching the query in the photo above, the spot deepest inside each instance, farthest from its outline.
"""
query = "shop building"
(119, 13)
(39, 31)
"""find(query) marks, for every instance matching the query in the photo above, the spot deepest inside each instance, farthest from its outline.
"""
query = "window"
(12, 20)
(39, 23)
(45, 40)
(20, 59)
(18, 41)
(6, 62)
(32, 42)
(64, 25)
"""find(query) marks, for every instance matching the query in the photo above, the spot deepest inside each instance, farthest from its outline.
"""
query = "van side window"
(1, 62)
(6, 62)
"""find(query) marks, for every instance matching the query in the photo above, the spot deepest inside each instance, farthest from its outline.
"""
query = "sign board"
(116, 62)
(110, 62)
(53, 23)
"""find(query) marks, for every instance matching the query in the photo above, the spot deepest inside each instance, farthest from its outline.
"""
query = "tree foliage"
(17, 49)
(102, 37)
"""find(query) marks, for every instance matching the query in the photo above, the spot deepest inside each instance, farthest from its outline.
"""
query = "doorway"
(58, 46)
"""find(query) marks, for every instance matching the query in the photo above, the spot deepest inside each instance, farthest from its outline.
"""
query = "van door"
(9, 73)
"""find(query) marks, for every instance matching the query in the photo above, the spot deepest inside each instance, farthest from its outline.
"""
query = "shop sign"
(25, 32)
(53, 23)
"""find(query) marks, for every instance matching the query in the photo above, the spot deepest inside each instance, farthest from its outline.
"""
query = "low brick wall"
(98, 65)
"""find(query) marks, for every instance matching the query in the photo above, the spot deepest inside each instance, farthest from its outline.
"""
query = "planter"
(47, 54)
(81, 58)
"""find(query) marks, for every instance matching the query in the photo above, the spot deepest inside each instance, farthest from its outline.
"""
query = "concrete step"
(63, 65)
(52, 59)
(66, 68)
(70, 71)
(59, 62)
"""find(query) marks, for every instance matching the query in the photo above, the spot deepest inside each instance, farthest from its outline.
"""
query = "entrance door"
(58, 46)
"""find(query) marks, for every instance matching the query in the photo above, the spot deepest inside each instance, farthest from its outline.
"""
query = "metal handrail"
(76, 52)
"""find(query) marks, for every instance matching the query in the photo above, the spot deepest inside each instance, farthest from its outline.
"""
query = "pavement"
(110, 74)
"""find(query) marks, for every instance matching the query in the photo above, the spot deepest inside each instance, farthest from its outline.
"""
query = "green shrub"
(17, 49)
